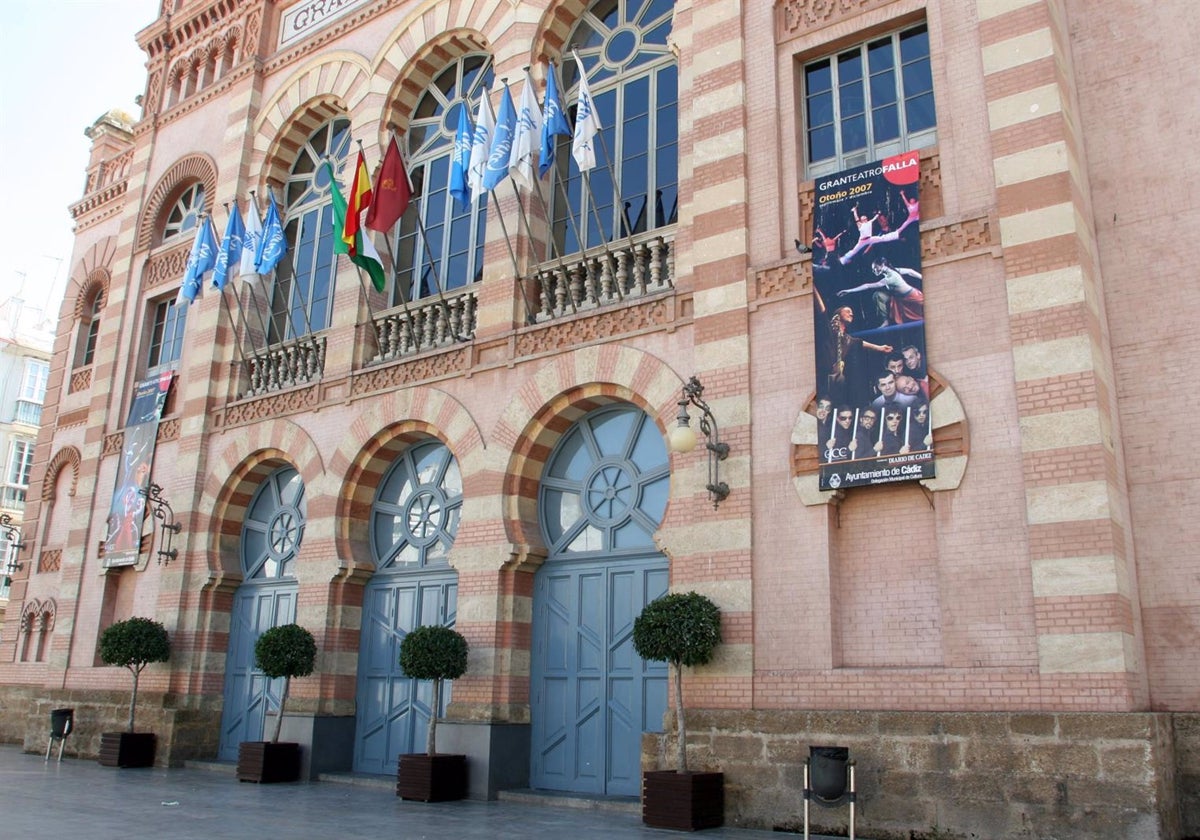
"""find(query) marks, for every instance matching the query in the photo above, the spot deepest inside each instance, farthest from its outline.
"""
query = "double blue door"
(593, 696)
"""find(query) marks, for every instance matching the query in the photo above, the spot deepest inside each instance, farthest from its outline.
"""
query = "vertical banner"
(128, 509)
(869, 326)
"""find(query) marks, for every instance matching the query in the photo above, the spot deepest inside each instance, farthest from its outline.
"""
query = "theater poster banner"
(869, 326)
(128, 510)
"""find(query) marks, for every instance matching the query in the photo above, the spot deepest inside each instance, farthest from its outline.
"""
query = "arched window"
(633, 79)
(274, 527)
(302, 296)
(415, 515)
(89, 329)
(185, 213)
(451, 251)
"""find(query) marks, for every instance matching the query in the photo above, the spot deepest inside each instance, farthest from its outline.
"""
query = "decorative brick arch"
(244, 463)
(412, 74)
(375, 440)
(332, 86)
(67, 456)
(96, 283)
(191, 169)
(560, 393)
(555, 27)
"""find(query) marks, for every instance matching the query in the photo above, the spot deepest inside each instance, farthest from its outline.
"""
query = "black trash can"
(62, 721)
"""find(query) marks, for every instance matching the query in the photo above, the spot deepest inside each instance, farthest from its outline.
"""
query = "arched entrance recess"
(272, 532)
(601, 498)
(413, 521)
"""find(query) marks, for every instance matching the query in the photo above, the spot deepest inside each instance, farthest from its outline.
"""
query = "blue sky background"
(63, 63)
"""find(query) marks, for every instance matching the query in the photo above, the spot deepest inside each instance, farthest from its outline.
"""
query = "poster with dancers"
(869, 326)
(127, 513)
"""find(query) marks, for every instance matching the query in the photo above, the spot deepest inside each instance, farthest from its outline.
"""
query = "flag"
(392, 191)
(250, 240)
(480, 142)
(502, 142)
(362, 250)
(529, 129)
(273, 244)
(554, 121)
(229, 255)
(361, 195)
(460, 162)
(202, 258)
(587, 124)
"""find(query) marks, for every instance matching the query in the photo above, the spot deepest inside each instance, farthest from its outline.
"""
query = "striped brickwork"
(1084, 596)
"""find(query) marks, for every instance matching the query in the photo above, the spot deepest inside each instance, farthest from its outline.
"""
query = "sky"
(63, 64)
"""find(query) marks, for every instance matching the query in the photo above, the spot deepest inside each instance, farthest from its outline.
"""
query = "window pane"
(917, 78)
(821, 144)
(883, 89)
(919, 113)
(885, 123)
(914, 44)
(850, 99)
(854, 134)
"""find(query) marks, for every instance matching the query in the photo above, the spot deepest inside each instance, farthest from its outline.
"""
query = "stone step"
(368, 780)
(577, 801)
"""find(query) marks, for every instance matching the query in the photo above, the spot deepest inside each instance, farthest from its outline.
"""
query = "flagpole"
(437, 280)
(362, 285)
(234, 326)
(529, 310)
(299, 292)
(486, 100)
(608, 164)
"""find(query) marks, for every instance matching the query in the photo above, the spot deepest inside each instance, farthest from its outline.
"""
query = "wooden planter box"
(127, 749)
(683, 801)
(431, 778)
(264, 762)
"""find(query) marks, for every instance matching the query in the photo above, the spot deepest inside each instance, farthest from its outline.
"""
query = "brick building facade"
(1010, 649)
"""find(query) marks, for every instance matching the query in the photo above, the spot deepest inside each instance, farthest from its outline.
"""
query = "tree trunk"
(431, 745)
(680, 728)
(133, 698)
(287, 681)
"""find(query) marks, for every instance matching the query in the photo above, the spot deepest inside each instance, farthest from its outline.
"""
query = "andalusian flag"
(350, 238)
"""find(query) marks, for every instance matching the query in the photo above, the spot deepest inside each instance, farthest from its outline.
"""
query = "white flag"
(529, 134)
(587, 124)
(481, 144)
(250, 241)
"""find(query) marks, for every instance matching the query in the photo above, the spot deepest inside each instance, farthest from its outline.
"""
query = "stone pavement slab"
(79, 799)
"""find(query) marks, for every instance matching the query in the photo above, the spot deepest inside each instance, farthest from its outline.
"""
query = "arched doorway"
(271, 536)
(413, 521)
(601, 498)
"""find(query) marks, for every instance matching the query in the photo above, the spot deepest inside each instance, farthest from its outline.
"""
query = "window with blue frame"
(302, 295)
(634, 81)
(448, 251)
(869, 102)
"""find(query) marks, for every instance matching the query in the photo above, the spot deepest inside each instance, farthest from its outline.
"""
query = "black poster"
(128, 509)
(869, 326)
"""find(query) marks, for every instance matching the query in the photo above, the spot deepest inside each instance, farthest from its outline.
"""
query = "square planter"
(264, 762)
(127, 749)
(683, 801)
(431, 778)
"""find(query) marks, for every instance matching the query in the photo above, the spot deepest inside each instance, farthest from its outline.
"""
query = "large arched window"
(415, 515)
(274, 527)
(451, 249)
(185, 213)
(633, 79)
(302, 296)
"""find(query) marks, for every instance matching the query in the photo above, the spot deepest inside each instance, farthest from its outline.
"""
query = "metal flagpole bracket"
(162, 511)
(12, 533)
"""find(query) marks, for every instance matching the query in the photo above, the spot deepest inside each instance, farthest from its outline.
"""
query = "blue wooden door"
(250, 694)
(593, 695)
(393, 711)
(602, 495)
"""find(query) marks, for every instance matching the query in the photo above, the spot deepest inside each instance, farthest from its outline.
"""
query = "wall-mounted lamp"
(682, 438)
(13, 534)
(161, 509)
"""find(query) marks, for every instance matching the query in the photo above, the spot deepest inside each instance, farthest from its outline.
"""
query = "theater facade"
(876, 250)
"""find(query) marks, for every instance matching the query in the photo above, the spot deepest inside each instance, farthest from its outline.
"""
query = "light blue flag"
(273, 245)
(587, 124)
(460, 162)
(529, 129)
(250, 240)
(229, 255)
(554, 121)
(502, 143)
(481, 142)
(202, 259)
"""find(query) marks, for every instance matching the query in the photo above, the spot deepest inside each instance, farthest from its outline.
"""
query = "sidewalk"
(80, 799)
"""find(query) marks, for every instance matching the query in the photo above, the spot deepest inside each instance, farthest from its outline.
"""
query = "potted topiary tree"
(437, 653)
(133, 644)
(680, 629)
(285, 651)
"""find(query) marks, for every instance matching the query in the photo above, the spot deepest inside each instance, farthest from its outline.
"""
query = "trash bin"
(62, 721)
